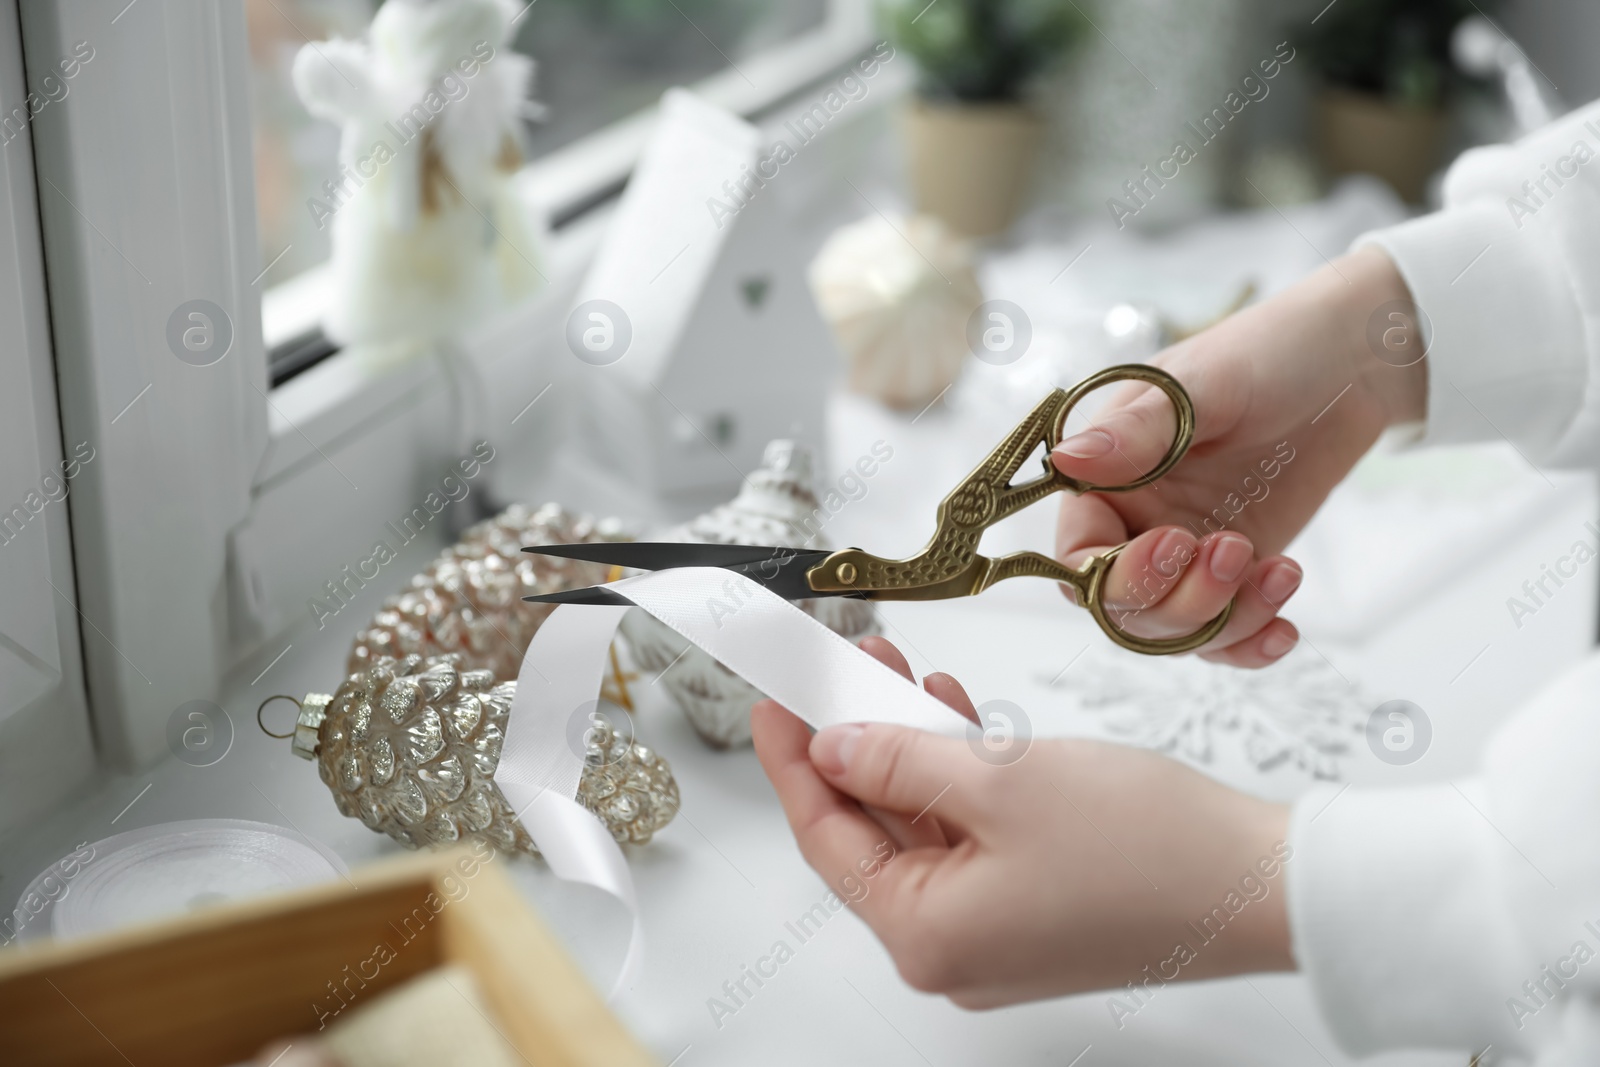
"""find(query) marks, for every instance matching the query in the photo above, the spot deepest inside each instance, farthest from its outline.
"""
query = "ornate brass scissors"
(949, 565)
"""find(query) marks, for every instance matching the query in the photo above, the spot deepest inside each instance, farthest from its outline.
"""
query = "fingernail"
(1230, 555)
(1087, 445)
(1276, 644)
(1280, 583)
(831, 748)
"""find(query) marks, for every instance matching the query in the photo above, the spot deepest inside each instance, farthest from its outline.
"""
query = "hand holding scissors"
(950, 564)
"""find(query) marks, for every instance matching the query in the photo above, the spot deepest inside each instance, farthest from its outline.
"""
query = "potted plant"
(970, 136)
(1386, 83)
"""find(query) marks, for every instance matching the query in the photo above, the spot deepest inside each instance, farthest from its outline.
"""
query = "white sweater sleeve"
(1467, 914)
(1464, 914)
(1507, 277)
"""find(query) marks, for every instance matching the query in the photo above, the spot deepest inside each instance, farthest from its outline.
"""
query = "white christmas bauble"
(898, 295)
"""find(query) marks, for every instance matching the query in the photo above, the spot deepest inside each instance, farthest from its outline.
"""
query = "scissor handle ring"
(1139, 372)
(1094, 595)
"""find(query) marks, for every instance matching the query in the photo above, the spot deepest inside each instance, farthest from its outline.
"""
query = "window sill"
(346, 394)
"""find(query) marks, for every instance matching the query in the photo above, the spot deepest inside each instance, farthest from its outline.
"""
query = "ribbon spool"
(166, 870)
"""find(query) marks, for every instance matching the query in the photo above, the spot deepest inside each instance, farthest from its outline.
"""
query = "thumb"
(1121, 441)
(896, 768)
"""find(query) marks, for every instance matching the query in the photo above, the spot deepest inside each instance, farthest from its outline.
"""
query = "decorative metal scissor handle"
(950, 565)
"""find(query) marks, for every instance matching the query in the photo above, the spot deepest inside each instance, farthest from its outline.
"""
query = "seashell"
(898, 297)
(776, 506)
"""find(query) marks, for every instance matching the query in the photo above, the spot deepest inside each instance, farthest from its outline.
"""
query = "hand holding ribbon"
(1074, 868)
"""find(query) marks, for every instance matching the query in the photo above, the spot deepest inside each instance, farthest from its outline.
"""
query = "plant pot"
(970, 164)
(1366, 133)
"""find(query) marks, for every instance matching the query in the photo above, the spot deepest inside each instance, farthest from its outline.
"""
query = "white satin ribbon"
(772, 644)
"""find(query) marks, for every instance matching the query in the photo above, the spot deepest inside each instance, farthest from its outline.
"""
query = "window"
(294, 152)
(602, 60)
(599, 62)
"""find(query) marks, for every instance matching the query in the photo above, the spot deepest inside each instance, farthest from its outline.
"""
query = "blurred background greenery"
(1398, 49)
(983, 50)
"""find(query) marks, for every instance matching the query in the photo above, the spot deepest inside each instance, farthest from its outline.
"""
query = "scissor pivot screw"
(847, 573)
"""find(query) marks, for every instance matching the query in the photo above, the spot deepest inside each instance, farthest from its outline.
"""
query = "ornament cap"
(308, 727)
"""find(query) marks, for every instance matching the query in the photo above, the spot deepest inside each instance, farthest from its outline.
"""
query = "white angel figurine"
(427, 232)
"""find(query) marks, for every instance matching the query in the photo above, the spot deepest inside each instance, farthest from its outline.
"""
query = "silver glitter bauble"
(410, 748)
(778, 507)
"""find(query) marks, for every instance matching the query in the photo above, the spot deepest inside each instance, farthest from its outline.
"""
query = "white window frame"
(220, 506)
(46, 752)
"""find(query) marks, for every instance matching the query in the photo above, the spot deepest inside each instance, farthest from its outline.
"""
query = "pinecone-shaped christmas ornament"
(469, 600)
(410, 748)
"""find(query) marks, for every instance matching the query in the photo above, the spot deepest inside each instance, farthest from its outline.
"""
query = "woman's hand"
(1080, 866)
(1288, 395)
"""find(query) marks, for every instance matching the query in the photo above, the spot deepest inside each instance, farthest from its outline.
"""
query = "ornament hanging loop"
(263, 707)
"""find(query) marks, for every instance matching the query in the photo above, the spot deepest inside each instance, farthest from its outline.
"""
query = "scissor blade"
(592, 594)
(658, 555)
(781, 570)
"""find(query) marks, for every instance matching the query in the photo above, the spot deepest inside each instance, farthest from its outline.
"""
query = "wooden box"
(212, 988)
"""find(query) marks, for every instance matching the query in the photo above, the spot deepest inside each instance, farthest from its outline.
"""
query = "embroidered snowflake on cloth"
(1299, 711)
